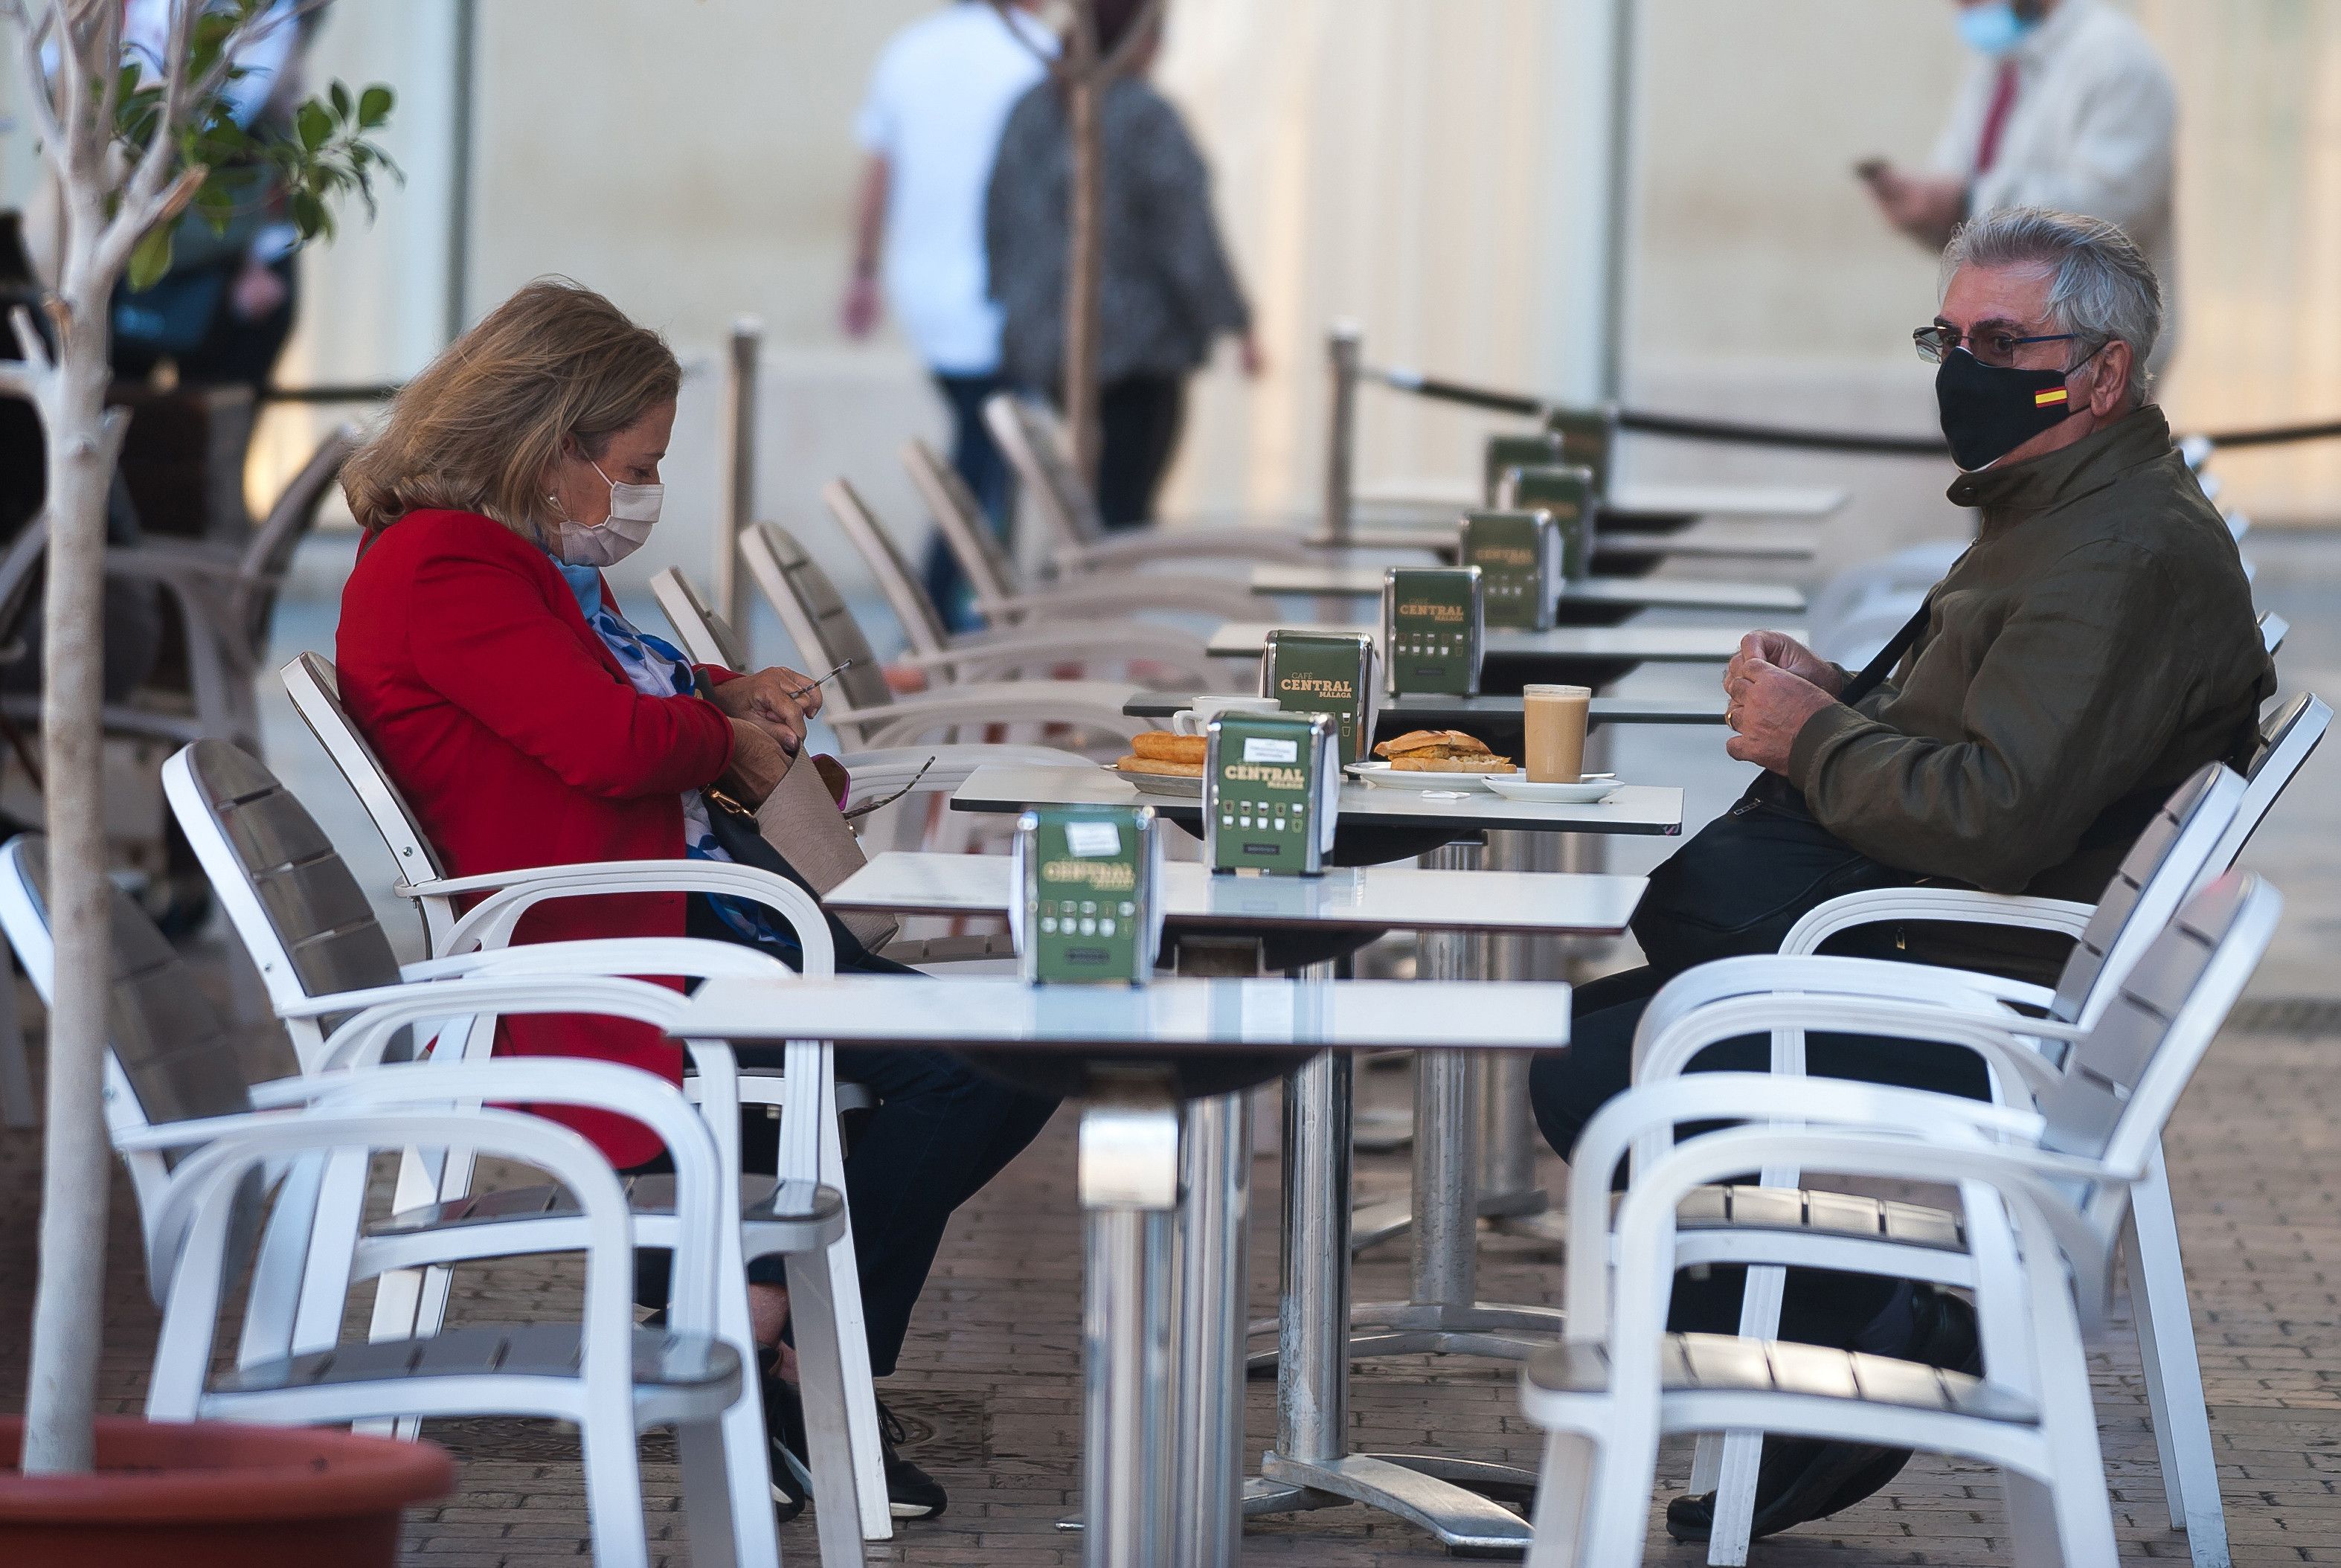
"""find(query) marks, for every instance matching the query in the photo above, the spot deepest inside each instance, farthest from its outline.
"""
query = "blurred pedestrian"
(2068, 106)
(928, 130)
(222, 312)
(1167, 289)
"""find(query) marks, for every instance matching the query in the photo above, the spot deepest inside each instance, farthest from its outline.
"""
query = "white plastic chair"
(1033, 440)
(225, 597)
(1161, 656)
(2042, 1194)
(914, 773)
(1001, 599)
(708, 638)
(861, 707)
(206, 1128)
(2197, 838)
(311, 935)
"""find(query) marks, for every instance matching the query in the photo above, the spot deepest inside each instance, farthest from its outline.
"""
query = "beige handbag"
(800, 821)
(801, 824)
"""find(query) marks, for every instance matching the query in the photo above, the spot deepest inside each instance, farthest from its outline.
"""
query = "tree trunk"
(1085, 265)
(68, 1303)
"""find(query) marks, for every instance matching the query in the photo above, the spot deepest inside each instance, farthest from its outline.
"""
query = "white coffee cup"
(1194, 720)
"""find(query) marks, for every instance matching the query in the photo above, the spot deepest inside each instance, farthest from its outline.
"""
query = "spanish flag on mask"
(2053, 395)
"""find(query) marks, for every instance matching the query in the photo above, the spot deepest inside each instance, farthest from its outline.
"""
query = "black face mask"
(1989, 411)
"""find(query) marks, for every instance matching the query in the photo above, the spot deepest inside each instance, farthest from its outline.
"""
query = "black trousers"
(1138, 422)
(939, 1133)
(979, 461)
(1567, 1088)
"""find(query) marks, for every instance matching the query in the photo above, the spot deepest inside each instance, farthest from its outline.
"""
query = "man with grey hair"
(2091, 651)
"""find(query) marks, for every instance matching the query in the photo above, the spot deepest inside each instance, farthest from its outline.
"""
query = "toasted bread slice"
(1163, 746)
(1159, 765)
(1432, 743)
(1420, 763)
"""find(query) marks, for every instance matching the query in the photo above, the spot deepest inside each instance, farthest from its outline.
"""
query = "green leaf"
(373, 106)
(341, 97)
(309, 214)
(313, 124)
(152, 259)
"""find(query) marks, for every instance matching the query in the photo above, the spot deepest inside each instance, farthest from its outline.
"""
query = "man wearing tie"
(2068, 106)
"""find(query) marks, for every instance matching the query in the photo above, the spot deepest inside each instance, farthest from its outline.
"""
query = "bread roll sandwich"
(1161, 752)
(1441, 751)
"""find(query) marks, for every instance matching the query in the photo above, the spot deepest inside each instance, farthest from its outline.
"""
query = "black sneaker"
(784, 1436)
(911, 1491)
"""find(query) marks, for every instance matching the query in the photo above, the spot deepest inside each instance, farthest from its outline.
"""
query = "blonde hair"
(480, 428)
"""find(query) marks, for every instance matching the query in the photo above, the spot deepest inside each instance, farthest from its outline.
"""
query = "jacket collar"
(2033, 50)
(2008, 495)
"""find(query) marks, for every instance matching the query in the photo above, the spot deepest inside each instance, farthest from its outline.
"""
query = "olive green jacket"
(2094, 647)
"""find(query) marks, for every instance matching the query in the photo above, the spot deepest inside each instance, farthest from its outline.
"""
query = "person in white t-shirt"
(931, 125)
(2068, 106)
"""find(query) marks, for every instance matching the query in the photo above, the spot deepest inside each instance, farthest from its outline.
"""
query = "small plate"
(1183, 786)
(1586, 793)
(1382, 776)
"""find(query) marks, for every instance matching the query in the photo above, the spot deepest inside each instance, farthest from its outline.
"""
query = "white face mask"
(633, 511)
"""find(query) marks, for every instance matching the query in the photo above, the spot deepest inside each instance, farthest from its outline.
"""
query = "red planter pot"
(212, 1494)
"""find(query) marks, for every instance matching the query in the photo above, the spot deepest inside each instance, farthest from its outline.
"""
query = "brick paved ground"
(992, 1377)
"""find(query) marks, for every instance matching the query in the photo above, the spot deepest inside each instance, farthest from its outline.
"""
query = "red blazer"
(518, 740)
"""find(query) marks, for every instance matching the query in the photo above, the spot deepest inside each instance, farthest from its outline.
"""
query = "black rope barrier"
(381, 393)
(1687, 428)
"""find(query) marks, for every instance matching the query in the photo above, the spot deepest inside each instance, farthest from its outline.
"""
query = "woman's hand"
(774, 700)
(758, 763)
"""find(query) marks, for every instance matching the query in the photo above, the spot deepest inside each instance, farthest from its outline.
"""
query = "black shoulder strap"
(1880, 668)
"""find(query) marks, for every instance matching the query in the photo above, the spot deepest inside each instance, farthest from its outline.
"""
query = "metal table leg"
(1442, 1313)
(1311, 1465)
(1213, 1236)
(1129, 1177)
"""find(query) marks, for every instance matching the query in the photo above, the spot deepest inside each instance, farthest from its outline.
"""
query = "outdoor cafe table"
(1578, 655)
(1135, 1503)
(1607, 596)
(1628, 551)
(1494, 716)
(1656, 502)
(1442, 1311)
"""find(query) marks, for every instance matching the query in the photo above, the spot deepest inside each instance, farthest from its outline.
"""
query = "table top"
(1436, 711)
(1650, 592)
(1808, 501)
(1642, 644)
(1643, 809)
(1169, 1017)
(1375, 897)
(1716, 541)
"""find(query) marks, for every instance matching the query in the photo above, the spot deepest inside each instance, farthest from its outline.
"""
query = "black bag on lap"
(1745, 880)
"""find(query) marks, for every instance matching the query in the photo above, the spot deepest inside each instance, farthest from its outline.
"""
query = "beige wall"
(1431, 167)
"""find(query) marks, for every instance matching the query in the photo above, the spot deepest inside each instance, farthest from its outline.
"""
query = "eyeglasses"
(1992, 348)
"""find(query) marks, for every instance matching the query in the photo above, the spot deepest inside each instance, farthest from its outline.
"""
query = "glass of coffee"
(1555, 722)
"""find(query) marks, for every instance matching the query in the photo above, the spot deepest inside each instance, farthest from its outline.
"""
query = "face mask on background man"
(1995, 28)
(634, 509)
(1989, 411)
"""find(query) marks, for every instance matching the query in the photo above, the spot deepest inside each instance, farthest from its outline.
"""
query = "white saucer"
(1383, 777)
(1185, 786)
(1518, 787)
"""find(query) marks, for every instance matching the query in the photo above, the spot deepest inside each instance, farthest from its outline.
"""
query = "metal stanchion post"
(739, 499)
(1342, 347)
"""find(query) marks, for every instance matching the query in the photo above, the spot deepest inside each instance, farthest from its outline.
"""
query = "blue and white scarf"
(656, 668)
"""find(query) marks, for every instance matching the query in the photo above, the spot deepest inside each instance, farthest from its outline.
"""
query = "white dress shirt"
(941, 91)
(2091, 132)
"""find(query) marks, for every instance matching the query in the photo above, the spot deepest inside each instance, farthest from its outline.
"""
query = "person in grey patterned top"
(1169, 291)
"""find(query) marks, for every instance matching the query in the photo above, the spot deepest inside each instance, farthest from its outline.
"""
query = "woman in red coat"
(528, 723)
